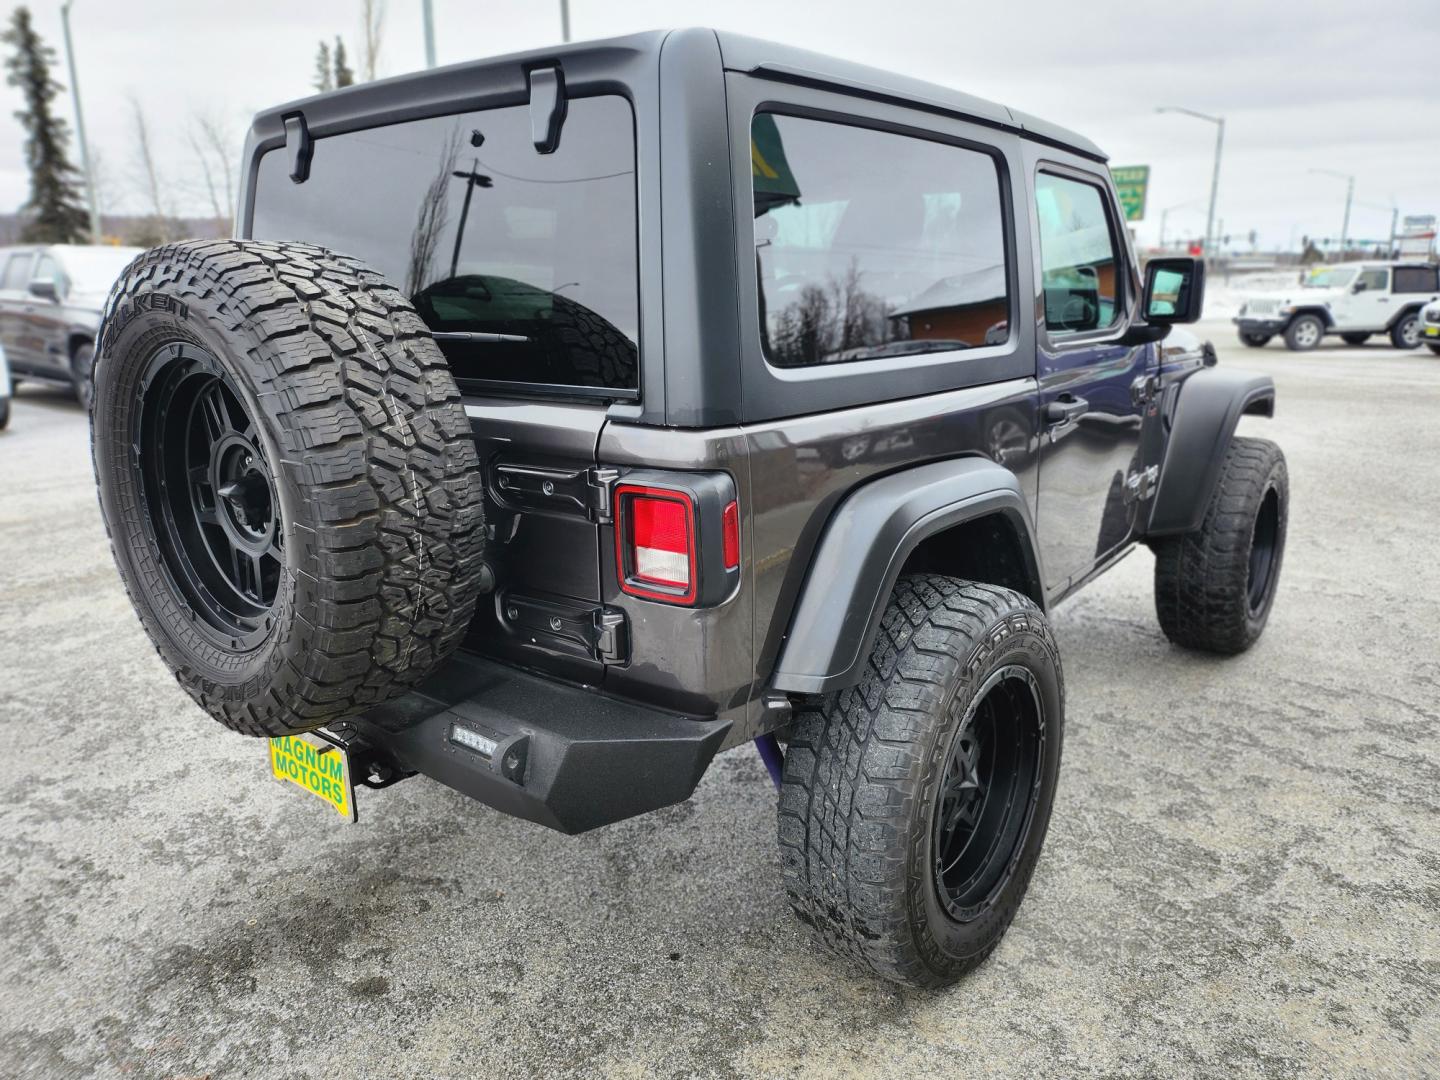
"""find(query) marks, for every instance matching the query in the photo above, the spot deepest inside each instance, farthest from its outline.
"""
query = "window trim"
(919, 359)
(1127, 285)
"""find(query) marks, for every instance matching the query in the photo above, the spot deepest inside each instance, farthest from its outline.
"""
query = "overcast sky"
(1347, 85)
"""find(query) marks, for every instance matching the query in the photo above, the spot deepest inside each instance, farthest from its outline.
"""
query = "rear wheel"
(1304, 333)
(1255, 341)
(1355, 339)
(1405, 334)
(1214, 587)
(914, 806)
(288, 480)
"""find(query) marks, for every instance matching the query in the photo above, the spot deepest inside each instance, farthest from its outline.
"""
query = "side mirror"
(45, 289)
(1358, 287)
(1174, 290)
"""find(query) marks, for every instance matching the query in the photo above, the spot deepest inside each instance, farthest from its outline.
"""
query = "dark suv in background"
(562, 419)
(50, 301)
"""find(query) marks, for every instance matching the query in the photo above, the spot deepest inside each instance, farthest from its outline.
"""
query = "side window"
(1416, 279)
(1081, 270)
(1374, 280)
(870, 244)
(17, 272)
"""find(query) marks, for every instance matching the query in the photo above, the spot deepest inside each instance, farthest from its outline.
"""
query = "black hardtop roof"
(739, 53)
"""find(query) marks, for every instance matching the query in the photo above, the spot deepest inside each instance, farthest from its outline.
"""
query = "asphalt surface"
(1242, 876)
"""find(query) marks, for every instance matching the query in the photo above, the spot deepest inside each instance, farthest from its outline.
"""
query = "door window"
(870, 244)
(47, 269)
(17, 272)
(1415, 279)
(1081, 273)
(1374, 280)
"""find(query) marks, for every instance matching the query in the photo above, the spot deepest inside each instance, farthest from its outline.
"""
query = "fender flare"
(1321, 313)
(1414, 306)
(1207, 410)
(862, 550)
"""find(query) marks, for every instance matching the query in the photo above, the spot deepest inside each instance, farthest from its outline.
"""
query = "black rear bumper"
(547, 751)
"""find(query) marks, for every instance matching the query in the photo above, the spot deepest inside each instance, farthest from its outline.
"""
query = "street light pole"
(80, 126)
(429, 15)
(1349, 198)
(1219, 122)
(565, 20)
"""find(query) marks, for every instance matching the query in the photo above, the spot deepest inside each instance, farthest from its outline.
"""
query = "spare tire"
(288, 480)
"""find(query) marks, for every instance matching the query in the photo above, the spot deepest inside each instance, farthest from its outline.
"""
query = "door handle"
(1065, 408)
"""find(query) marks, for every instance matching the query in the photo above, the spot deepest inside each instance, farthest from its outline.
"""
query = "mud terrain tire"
(288, 480)
(874, 805)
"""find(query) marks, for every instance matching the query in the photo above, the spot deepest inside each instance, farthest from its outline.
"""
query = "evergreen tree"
(323, 80)
(54, 209)
(343, 75)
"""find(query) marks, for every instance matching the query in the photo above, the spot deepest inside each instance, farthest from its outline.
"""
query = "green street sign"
(1130, 184)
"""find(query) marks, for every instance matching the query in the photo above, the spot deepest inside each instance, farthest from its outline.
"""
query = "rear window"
(523, 264)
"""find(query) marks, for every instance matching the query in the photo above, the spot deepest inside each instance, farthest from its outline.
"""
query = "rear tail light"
(677, 536)
(655, 537)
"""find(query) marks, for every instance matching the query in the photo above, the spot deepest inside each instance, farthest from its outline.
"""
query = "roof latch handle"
(547, 108)
(300, 145)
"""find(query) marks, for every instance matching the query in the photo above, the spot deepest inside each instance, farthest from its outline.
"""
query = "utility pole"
(565, 20)
(1349, 198)
(427, 10)
(1219, 122)
(80, 126)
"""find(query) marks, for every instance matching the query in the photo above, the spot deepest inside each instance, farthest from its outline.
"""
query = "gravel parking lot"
(1242, 876)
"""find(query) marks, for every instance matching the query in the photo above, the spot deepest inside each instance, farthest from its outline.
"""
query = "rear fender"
(863, 549)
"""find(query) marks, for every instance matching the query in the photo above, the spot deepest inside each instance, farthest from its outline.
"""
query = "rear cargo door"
(523, 264)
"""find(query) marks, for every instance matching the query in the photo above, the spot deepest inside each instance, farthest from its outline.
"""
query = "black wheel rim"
(209, 494)
(1263, 544)
(987, 793)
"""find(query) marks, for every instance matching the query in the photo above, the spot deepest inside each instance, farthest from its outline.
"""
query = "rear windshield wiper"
(465, 335)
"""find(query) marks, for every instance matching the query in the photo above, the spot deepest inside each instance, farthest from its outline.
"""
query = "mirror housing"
(1174, 290)
(45, 289)
(1358, 288)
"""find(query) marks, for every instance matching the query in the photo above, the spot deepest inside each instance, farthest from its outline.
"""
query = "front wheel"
(1254, 340)
(1214, 587)
(1304, 333)
(1405, 334)
(914, 805)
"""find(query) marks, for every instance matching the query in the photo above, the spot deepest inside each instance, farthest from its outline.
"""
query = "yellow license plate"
(320, 767)
(1432, 331)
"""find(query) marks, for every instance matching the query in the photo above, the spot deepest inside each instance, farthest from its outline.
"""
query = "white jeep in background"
(1430, 328)
(1353, 300)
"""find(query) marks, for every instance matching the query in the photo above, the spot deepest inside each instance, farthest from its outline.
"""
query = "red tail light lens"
(730, 536)
(655, 541)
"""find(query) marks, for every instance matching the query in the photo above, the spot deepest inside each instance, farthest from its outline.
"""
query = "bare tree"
(372, 13)
(154, 189)
(211, 142)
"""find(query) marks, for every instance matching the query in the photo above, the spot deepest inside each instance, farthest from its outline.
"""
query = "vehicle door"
(14, 299)
(1094, 387)
(47, 327)
(1367, 304)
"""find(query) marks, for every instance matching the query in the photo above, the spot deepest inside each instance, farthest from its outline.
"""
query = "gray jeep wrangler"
(558, 421)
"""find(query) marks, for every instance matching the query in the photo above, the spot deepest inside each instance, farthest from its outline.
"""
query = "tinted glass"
(485, 235)
(1374, 280)
(1078, 259)
(1415, 279)
(870, 244)
(17, 272)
